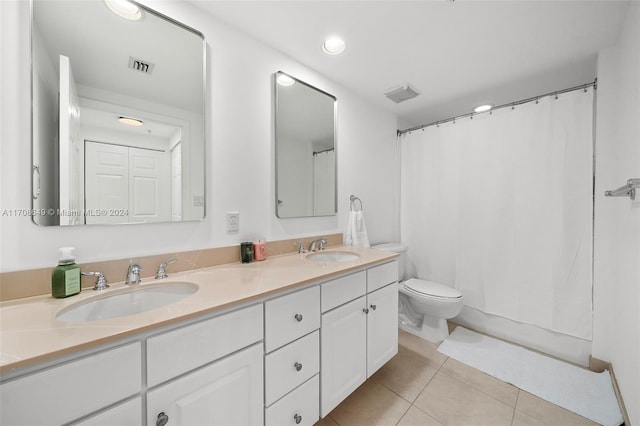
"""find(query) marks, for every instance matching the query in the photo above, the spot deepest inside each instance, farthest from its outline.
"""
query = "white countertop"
(30, 332)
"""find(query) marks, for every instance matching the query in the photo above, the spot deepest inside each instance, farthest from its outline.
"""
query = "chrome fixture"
(353, 206)
(162, 273)
(317, 244)
(133, 274)
(300, 247)
(628, 190)
(101, 281)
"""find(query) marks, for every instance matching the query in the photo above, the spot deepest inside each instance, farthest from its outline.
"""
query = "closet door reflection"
(126, 184)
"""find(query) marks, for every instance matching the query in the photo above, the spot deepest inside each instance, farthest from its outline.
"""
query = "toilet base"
(434, 330)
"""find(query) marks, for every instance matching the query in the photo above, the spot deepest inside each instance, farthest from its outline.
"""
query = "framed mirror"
(118, 114)
(305, 143)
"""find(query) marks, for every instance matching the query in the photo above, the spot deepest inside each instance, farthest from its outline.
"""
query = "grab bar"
(628, 190)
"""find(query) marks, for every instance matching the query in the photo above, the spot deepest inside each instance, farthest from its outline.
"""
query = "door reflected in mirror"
(117, 115)
(305, 143)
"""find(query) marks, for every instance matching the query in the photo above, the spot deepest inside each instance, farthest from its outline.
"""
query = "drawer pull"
(298, 418)
(373, 307)
(365, 310)
(298, 317)
(297, 366)
(163, 419)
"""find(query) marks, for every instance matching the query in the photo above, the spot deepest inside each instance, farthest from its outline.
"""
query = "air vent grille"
(140, 65)
(402, 93)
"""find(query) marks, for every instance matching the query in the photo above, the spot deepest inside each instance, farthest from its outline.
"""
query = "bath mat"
(579, 390)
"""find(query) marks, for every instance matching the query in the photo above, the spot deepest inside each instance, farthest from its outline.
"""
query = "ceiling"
(458, 54)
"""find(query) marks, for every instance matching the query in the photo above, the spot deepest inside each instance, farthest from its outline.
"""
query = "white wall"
(616, 334)
(240, 175)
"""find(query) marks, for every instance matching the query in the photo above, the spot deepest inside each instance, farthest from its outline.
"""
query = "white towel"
(357, 230)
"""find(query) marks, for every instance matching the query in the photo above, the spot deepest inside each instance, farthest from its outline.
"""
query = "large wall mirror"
(305, 142)
(118, 127)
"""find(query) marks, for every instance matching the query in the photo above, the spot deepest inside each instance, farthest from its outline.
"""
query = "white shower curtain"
(500, 206)
(324, 181)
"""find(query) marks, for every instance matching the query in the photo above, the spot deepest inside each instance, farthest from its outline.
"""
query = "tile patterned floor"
(421, 386)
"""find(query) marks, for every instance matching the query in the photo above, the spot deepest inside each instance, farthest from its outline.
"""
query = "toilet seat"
(432, 290)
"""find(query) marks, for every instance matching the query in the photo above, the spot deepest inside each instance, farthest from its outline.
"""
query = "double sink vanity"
(277, 342)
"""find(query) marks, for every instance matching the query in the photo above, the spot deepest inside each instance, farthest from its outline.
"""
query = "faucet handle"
(162, 273)
(300, 246)
(101, 281)
(322, 242)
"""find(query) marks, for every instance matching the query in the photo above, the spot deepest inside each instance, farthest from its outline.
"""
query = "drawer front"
(300, 407)
(72, 389)
(342, 290)
(379, 276)
(290, 366)
(176, 352)
(291, 316)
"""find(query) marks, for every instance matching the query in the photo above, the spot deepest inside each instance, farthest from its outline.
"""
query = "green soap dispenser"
(65, 279)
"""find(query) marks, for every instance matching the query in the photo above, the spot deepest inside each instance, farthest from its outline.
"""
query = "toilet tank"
(396, 248)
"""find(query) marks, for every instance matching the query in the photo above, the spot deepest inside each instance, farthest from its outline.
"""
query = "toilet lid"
(429, 288)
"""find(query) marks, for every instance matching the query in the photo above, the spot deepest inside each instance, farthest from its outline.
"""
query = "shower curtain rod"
(511, 104)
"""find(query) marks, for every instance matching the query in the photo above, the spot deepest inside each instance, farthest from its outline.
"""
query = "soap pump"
(65, 279)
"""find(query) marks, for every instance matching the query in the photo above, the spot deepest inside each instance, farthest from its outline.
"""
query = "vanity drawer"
(74, 389)
(300, 407)
(290, 366)
(178, 351)
(379, 276)
(342, 290)
(291, 316)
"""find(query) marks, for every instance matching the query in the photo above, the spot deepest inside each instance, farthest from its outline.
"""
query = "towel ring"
(353, 199)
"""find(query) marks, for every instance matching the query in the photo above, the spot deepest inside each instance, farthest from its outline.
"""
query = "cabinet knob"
(298, 317)
(298, 418)
(373, 307)
(297, 366)
(162, 420)
(365, 310)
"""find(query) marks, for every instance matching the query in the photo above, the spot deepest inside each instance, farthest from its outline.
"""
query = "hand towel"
(356, 230)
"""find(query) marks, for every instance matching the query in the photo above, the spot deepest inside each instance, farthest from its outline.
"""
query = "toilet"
(424, 306)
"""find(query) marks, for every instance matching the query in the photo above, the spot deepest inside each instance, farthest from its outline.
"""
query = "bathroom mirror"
(118, 127)
(305, 142)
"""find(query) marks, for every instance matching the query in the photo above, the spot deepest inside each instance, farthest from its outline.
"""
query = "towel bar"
(628, 190)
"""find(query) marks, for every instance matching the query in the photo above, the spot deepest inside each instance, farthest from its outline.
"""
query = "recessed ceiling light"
(285, 80)
(333, 46)
(130, 121)
(483, 108)
(124, 9)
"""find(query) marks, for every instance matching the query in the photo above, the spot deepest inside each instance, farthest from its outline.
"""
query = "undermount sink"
(134, 300)
(333, 256)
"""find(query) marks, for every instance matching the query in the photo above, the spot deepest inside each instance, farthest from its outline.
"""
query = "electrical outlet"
(233, 221)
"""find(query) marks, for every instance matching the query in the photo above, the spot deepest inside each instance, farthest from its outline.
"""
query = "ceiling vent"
(140, 65)
(401, 93)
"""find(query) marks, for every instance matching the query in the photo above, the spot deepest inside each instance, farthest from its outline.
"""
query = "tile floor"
(421, 386)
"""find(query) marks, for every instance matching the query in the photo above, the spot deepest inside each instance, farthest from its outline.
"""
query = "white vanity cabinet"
(73, 389)
(292, 358)
(359, 330)
(228, 391)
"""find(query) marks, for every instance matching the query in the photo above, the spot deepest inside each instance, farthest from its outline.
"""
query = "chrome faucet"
(300, 247)
(101, 281)
(162, 273)
(133, 274)
(317, 244)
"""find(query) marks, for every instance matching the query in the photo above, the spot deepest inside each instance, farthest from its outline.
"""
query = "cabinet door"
(382, 327)
(343, 348)
(227, 392)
